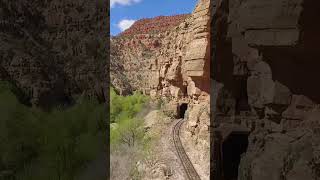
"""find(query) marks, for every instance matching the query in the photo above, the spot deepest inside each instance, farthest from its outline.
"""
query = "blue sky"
(123, 13)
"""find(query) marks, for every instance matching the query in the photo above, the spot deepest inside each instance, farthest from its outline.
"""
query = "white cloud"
(123, 2)
(125, 24)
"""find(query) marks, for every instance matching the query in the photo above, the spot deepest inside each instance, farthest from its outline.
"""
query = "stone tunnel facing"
(182, 110)
(232, 149)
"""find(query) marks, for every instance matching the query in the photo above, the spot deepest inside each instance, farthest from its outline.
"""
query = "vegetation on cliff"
(48, 145)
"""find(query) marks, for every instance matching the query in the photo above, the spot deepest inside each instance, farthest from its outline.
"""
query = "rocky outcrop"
(263, 65)
(48, 52)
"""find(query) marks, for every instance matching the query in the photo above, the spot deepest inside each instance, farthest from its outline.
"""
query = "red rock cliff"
(153, 25)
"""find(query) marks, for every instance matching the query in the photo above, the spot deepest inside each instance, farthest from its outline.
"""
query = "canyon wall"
(50, 50)
(172, 65)
(264, 70)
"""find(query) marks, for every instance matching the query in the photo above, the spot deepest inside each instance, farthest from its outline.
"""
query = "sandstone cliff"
(263, 84)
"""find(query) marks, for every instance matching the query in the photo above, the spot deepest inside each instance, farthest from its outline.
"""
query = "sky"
(124, 13)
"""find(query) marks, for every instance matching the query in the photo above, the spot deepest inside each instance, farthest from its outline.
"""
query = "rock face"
(171, 62)
(154, 25)
(265, 57)
(48, 52)
(173, 65)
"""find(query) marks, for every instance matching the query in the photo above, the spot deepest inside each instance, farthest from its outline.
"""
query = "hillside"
(155, 25)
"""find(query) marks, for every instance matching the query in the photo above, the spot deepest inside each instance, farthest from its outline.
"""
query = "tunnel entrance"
(182, 110)
(232, 149)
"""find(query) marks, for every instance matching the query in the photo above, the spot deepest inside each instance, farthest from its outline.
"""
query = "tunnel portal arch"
(182, 110)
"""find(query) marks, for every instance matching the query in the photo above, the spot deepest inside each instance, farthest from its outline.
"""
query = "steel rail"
(185, 161)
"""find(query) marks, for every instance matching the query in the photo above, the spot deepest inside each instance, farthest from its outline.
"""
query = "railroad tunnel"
(232, 149)
(182, 110)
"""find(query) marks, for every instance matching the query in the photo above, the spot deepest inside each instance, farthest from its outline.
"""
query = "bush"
(129, 132)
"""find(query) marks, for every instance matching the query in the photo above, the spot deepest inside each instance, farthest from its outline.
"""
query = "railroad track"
(185, 161)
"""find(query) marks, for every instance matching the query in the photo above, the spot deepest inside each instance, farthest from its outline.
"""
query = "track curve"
(185, 161)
